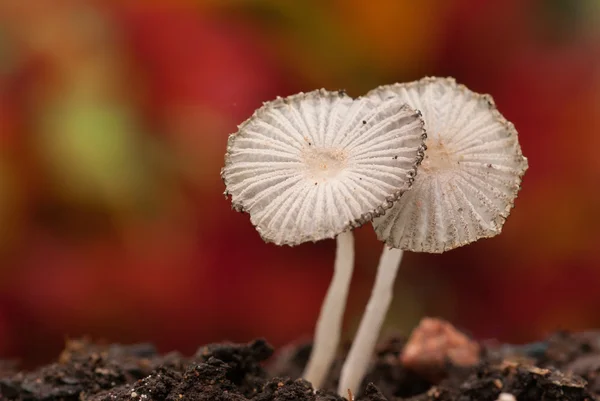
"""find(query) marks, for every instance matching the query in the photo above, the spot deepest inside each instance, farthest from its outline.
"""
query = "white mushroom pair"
(314, 166)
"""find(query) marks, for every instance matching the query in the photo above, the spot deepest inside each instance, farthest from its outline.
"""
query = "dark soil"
(566, 367)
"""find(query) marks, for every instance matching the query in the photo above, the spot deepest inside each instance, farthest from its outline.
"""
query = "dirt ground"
(564, 367)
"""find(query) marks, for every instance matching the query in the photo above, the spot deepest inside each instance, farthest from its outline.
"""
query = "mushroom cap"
(313, 165)
(470, 176)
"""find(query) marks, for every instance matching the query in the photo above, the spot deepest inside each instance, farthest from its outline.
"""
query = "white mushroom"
(506, 397)
(315, 165)
(464, 191)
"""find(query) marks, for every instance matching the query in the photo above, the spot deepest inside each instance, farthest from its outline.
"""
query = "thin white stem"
(329, 325)
(363, 346)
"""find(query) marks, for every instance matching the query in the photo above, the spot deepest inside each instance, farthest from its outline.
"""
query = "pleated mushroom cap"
(470, 176)
(313, 165)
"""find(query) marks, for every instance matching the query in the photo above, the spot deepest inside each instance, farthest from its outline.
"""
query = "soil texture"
(565, 367)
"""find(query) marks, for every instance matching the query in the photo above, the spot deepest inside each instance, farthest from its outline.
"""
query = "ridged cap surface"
(467, 183)
(313, 165)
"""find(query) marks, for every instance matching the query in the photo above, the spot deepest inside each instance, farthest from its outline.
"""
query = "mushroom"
(506, 397)
(314, 166)
(464, 191)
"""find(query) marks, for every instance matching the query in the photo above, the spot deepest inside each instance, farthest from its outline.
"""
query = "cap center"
(438, 157)
(324, 162)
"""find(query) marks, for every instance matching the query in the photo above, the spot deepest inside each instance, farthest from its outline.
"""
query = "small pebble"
(432, 343)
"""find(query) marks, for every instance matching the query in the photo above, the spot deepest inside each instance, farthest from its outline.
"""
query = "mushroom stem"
(329, 325)
(357, 362)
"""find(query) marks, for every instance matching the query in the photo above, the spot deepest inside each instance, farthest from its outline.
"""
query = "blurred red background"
(113, 123)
